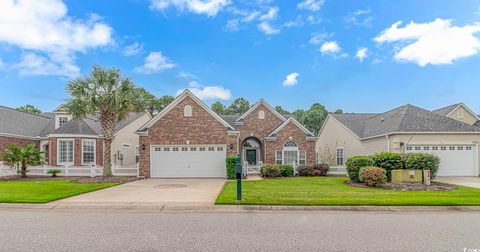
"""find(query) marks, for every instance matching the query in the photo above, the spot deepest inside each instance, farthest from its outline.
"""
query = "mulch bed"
(84, 180)
(435, 186)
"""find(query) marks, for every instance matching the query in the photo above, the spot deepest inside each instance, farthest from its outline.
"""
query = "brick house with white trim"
(188, 139)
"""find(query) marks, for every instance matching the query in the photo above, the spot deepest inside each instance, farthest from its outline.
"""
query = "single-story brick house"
(452, 133)
(68, 141)
(188, 139)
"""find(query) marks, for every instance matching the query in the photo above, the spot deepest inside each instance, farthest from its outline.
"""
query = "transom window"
(290, 155)
(187, 110)
(88, 151)
(339, 156)
(250, 143)
(65, 151)
(290, 144)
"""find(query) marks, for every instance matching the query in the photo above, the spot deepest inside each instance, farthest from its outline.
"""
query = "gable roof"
(407, 118)
(447, 111)
(18, 123)
(79, 127)
(291, 119)
(261, 101)
(178, 99)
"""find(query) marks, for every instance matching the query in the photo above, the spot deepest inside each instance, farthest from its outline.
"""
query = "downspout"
(388, 143)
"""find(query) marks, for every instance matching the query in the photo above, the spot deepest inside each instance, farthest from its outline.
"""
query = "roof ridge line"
(16, 110)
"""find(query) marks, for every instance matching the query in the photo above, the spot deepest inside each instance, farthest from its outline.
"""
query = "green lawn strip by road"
(332, 191)
(44, 191)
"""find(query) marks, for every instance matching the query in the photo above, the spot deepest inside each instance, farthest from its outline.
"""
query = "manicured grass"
(309, 191)
(44, 191)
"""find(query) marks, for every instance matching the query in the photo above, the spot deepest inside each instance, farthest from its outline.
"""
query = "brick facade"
(77, 151)
(6, 141)
(175, 128)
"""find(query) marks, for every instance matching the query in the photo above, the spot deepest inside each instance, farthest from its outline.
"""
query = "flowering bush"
(373, 176)
(354, 164)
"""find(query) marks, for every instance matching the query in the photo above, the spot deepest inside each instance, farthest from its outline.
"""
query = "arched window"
(290, 145)
(261, 114)
(187, 110)
(250, 143)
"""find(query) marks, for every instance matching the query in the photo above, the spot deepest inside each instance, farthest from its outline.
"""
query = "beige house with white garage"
(452, 133)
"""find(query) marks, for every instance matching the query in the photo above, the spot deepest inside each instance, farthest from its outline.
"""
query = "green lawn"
(44, 191)
(310, 191)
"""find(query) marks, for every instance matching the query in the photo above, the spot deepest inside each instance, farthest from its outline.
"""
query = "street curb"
(165, 207)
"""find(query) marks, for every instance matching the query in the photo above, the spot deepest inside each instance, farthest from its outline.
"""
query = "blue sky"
(351, 55)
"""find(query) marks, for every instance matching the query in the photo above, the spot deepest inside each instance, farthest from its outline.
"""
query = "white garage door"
(455, 160)
(194, 161)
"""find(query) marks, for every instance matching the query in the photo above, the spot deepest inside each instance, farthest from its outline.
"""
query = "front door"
(251, 157)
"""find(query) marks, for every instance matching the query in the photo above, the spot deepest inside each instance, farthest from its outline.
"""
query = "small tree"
(106, 94)
(23, 156)
(30, 109)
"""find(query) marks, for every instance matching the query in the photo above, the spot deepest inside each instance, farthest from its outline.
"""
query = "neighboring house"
(69, 141)
(188, 139)
(450, 133)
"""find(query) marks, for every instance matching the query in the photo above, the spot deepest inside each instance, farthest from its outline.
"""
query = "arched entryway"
(252, 154)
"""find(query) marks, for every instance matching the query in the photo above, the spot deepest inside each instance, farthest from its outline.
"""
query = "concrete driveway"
(461, 181)
(154, 192)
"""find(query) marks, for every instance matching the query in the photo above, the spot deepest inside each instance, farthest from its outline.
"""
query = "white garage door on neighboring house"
(187, 161)
(455, 160)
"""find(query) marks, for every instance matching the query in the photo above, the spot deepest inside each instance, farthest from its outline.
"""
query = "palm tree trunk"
(23, 170)
(107, 162)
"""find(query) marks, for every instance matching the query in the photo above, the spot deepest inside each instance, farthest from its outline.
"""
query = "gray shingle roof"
(446, 110)
(78, 127)
(230, 119)
(406, 118)
(15, 122)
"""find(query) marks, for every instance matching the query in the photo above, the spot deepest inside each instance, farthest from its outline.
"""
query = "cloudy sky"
(360, 56)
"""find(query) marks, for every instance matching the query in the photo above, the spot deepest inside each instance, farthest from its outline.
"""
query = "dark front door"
(251, 157)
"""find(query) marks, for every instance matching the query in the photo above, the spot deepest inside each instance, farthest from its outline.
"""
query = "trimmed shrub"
(271, 171)
(287, 170)
(230, 161)
(373, 176)
(354, 164)
(388, 161)
(423, 161)
(306, 171)
(321, 169)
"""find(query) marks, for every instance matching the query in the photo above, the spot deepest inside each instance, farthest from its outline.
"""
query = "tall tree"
(338, 111)
(218, 108)
(30, 109)
(23, 156)
(314, 117)
(109, 95)
(151, 102)
(164, 101)
(282, 111)
(238, 106)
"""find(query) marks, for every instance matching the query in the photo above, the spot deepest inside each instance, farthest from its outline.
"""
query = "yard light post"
(238, 171)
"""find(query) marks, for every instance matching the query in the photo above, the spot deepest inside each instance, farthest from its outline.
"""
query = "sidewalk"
(149, 207)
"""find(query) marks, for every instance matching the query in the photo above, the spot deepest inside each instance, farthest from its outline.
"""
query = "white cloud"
(330, 47)
(233, 25)
(267, 28)
(314, 20)
(362, 53)
(311, 5)
(187, 75)
(208, 92)
(270, 15)
(360, 17)
(207, 7)
(437, 42)
(44, 27)
(318, 38)
(33, 64)
(155, 62)
(133, 49)
(291, 79)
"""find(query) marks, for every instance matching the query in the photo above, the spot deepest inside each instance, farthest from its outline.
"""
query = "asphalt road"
(259, 231)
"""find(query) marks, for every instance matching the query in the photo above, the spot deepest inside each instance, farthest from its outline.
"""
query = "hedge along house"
(188, 139)
(450, 133)
(68, 141)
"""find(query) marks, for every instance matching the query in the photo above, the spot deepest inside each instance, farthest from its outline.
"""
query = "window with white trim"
(65, 151)
(460, 113)
(62, 120)
(261, 114)
(278, 157)
(302, 157)
(187, 110)
(339, 156)
(88, 151)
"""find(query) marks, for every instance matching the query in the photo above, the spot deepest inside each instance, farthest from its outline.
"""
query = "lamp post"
(238, 171)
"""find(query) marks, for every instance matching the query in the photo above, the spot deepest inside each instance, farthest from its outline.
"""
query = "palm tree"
(23, 156)
(108, 95)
